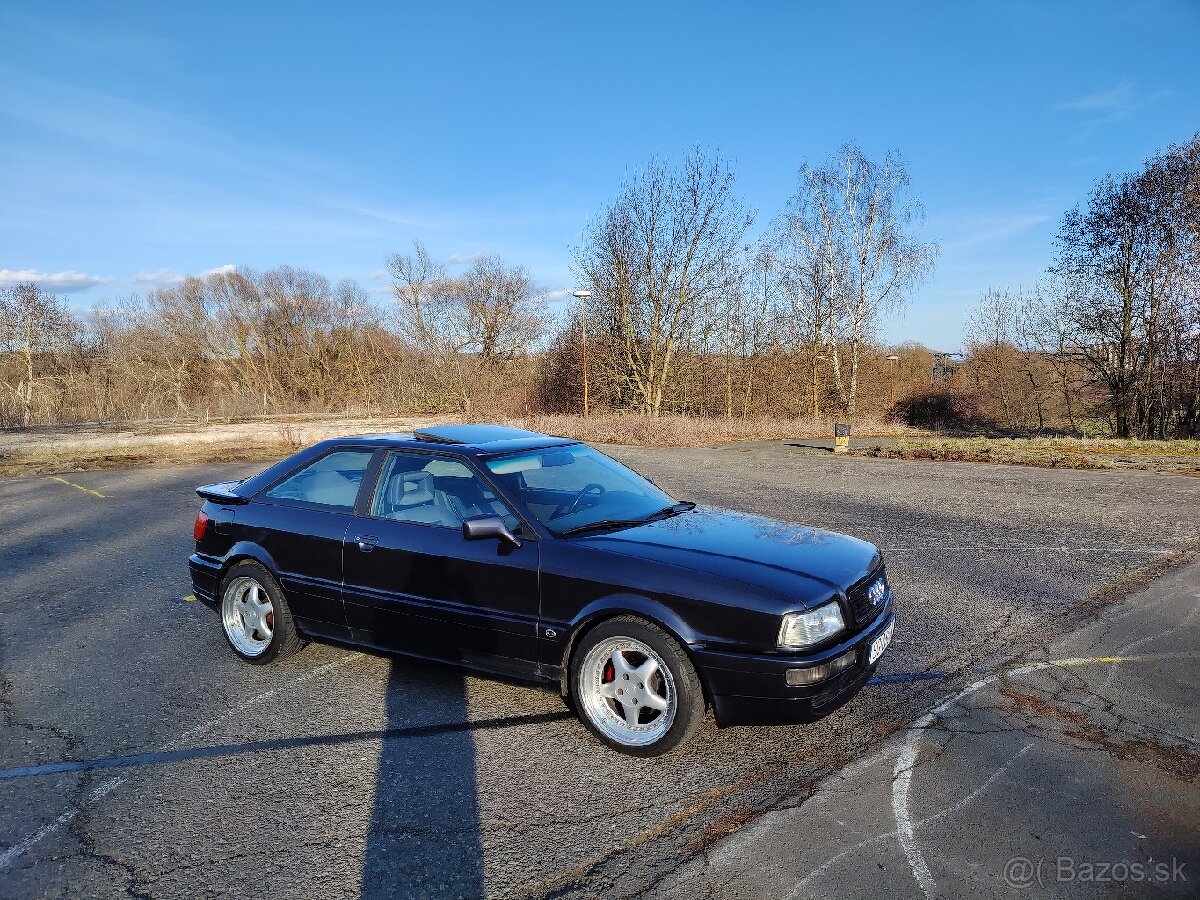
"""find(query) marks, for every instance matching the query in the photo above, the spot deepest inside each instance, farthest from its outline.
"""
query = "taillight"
(201, 526)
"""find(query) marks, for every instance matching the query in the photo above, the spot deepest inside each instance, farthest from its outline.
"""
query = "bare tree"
(1128, 262)
(659, 260)
(747, 325)
(990, 333)
(805, 259)
(502, 315)
(34, 325)
(465, 326)
(852, 252)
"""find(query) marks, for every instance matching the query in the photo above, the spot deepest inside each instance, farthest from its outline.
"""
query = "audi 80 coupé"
(527, 555)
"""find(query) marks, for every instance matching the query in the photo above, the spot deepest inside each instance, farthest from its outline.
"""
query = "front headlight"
(799, 630)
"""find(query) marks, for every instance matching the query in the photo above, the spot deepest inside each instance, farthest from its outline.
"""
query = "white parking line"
(1023, 549)
(928, 820)
(9, 856)
(907, 760)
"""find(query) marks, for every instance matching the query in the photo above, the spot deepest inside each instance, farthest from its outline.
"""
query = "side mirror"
(488, 527)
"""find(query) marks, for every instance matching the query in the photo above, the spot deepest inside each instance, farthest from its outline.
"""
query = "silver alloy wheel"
(627, 691)
(248, 616)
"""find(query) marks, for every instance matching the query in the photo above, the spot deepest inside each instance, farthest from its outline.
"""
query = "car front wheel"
(255, 617)
(635, 688)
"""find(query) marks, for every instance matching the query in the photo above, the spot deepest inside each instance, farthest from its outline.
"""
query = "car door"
(301, 522)
(414, 584)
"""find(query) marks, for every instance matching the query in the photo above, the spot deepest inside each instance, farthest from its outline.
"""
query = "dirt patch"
(47, 451)
(1175, 760)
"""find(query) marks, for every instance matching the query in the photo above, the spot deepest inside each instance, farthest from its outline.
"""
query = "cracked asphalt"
(337, 773)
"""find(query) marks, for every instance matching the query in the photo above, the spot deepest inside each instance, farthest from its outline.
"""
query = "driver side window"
(435, 491)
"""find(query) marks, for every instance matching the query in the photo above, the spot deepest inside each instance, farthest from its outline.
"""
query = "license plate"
(880, 644)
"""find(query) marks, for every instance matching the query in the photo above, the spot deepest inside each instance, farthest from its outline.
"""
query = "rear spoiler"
(222, 493)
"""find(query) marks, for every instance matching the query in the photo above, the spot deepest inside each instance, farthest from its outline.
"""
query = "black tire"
(285, 640)
(689, 694)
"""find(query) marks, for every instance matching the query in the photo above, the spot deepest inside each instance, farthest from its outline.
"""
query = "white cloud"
(160, 277)
(168, 277)
(64, 282)
(458, 259)
(559, 294)
(1119, 99)
(1113, 104)
(977, 229)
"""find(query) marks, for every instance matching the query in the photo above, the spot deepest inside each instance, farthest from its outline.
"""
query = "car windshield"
(574, 489)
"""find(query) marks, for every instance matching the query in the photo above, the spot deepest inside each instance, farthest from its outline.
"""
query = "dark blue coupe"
(534, 556)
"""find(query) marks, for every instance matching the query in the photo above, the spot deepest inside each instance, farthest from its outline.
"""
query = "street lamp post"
(894, 360)
(581, 296)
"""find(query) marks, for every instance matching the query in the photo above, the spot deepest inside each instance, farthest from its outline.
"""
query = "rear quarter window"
(331, 482)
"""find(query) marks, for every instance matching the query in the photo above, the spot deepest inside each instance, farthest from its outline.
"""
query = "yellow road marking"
(1145, 657)
(190, 598)
(79, 486)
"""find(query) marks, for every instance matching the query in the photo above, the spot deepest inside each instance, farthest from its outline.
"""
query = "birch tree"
(854, 256)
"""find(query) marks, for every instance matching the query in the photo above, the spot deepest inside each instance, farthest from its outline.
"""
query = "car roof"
(467, 440)
(480, 438)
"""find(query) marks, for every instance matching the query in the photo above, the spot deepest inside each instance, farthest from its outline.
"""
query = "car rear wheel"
(255, 617)
(635, 688)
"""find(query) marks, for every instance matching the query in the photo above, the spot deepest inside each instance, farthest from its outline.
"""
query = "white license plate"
(880, 644)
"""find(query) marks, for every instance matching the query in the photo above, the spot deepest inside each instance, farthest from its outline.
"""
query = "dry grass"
(690, 431)
(1168, 457)
(45, 451)
(1114, 447)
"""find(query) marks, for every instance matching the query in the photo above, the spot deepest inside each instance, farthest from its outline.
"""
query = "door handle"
(366, 542)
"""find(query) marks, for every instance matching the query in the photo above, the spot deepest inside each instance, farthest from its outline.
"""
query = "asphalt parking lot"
(187, 773)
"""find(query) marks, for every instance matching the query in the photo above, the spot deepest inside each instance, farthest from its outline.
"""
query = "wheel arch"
(245, 551)
(640, 606)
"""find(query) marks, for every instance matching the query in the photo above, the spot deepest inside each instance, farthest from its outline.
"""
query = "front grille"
(861, 607)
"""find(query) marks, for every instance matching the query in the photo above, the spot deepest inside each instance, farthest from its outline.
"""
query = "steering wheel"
(573, 506)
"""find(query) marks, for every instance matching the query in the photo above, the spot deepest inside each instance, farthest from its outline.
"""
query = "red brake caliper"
(610, 673)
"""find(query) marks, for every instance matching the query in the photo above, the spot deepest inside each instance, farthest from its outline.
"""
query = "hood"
(796, 561)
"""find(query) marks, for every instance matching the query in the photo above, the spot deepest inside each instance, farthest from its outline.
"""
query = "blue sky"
(143, 140)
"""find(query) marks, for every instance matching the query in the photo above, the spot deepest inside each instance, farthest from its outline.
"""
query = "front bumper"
(749, 689)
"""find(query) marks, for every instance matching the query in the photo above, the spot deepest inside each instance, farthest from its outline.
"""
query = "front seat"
(411, 498)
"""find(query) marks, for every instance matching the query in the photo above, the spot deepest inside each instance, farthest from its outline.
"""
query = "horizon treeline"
(684, 315)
